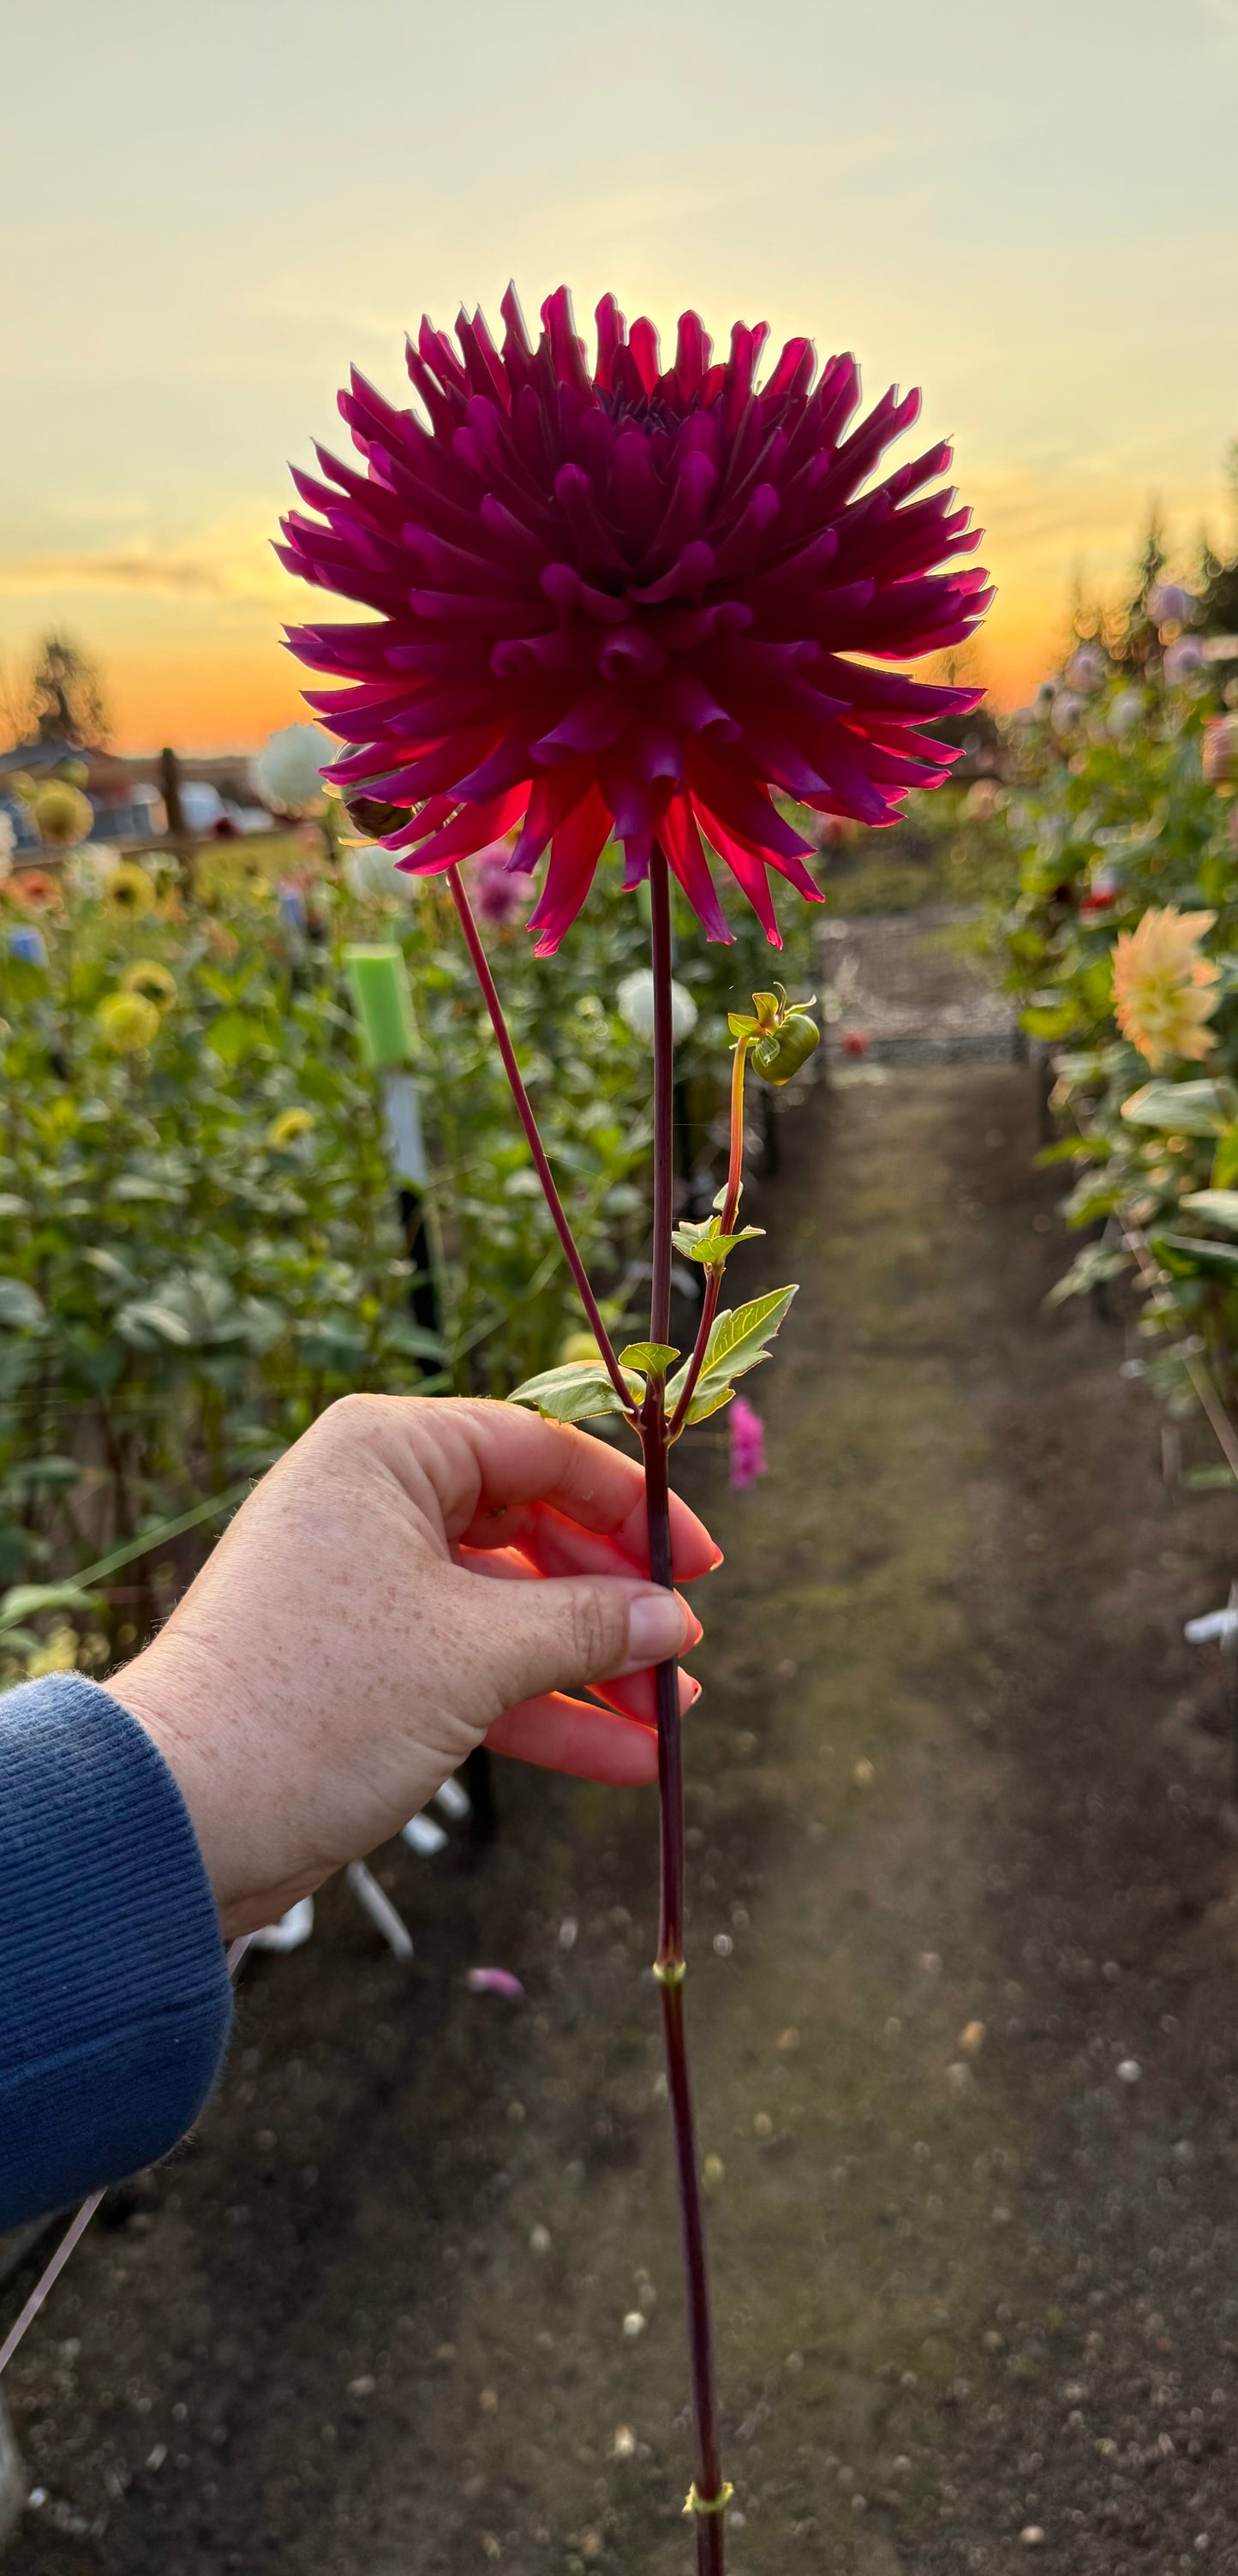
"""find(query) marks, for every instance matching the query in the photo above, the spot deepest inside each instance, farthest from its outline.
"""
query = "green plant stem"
(730, 1210)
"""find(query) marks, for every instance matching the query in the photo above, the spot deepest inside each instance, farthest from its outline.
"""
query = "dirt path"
(410, 2306)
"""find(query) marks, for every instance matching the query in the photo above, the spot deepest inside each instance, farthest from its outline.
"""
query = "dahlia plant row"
(200, 1241)
(622, 601)
(1123, 950)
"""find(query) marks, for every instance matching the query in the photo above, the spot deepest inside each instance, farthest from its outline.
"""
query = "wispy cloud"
(233, 566)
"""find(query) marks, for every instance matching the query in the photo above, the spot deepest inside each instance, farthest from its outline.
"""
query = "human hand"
(414, 1575)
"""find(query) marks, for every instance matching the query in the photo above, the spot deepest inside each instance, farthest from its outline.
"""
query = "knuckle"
(595, 1620)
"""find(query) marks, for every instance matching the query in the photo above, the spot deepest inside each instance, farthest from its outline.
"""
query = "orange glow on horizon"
(207, 701)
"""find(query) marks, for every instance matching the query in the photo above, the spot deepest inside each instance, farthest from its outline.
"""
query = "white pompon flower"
(370, 870)
(635, 1000)
(289, 772)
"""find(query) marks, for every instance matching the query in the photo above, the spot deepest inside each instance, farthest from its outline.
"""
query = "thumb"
(556, 1634)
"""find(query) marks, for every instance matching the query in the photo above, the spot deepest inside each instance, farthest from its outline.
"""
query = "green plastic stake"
(383, 1004)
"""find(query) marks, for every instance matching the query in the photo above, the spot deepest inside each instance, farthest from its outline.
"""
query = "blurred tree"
(65, 696)
(1132, 636)
(1219, 587)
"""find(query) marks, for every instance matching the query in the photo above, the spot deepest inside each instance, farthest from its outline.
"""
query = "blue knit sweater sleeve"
(114, 1994)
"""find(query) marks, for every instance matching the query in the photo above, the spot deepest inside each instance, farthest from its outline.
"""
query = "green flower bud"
(780, 1034)
(780, 1054)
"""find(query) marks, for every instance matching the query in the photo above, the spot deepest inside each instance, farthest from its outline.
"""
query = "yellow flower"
(62, 814)
(127, 1022)
(1160, 985)
(147, 977)
(59, 1655)
(130, 891)
(290, 1124)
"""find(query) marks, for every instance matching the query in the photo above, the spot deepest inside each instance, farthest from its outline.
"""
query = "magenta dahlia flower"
(626, 603)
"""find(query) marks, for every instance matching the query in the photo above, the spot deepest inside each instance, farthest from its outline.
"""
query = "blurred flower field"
(201, 1238)
(1122, 947)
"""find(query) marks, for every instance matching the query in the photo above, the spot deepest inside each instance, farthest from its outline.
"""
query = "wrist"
(187, 1705)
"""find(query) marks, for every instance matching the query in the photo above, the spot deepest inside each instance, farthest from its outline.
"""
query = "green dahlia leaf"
(652, 1358)
(736, 1344)
(574, 1393)
(1182, 1108)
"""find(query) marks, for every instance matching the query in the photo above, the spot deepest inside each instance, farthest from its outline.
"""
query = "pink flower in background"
(625, 602)
(1182, 659)
(748, 1459)
(495, 1981)
(497, 896)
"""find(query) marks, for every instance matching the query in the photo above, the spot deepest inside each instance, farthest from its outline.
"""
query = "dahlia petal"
(738, 549)
(436, 811)
(520, 542)
(796, 874)
(612, 333)
(638, 497)
(566, 350)
(693, 349)
(643, 347)
(682, 844)
(893, 691)
(508, 765)
(577, 846)
(689, 703)
(746, 868)
(596, 720)
(686, 579)
(781, 761)
(562, 585)
(696, 477)
(554, 795)
(491, 614)
(482, 360)
(735, 797)
(575, 494)
(794, 371)
(637, 804)
(471, 829)
(630, 653)
(652, 752)
(746, 347)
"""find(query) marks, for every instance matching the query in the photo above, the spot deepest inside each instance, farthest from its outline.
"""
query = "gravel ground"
(914, 985)
(963, 1992)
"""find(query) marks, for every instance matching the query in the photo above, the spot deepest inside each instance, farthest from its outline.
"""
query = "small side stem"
(730, 1210)
(490, 992)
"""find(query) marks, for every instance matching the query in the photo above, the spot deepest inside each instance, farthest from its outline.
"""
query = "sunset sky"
(1031, 212)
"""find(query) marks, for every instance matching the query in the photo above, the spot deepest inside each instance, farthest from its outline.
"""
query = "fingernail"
(655, 1628)
(715, 1562)
(692, 1634)
(696, 1690)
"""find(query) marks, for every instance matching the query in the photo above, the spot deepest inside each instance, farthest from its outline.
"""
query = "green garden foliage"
(1122, 806)
(200, 1238)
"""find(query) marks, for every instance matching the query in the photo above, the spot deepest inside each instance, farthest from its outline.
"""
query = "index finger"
(497, 1460)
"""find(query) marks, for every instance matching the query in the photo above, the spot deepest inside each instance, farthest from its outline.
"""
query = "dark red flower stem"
(730, 1210)
(707, 2489)
(707, 2498)
(524, 1107)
